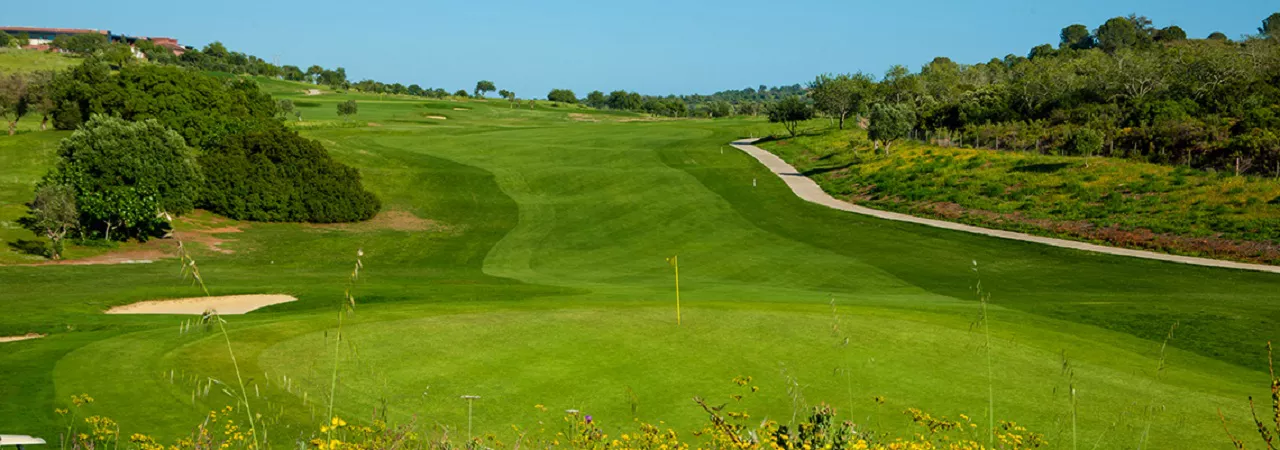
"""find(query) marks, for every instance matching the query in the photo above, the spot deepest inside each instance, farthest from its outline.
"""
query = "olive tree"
(890, 122)
(790, 112)
(483, 87)
(347, 109)
(52, 214)
(841, 95)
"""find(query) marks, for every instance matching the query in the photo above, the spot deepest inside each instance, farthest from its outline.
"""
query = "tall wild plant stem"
(189, 269)
(1151, 405)
(348, 304)
(244, 394)
(991, 390)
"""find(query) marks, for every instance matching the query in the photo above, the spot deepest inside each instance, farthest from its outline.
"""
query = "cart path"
(808, 190)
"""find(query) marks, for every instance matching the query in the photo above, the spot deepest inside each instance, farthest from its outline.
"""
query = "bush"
(278, 176)
(200, 107)
(562, 95)
(124, 175)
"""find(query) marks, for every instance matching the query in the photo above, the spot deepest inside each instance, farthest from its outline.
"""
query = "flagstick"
(675, 261)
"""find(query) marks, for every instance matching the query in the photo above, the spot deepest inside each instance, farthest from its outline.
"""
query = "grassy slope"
(548, 286)
(29, 60)
(1109, 200)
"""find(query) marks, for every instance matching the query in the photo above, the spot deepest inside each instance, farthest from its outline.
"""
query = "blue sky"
(654, 47)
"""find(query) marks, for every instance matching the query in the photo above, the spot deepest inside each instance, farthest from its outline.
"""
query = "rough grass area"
(1104, 200)
(17, 60)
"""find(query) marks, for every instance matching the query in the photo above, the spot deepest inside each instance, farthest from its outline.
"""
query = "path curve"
(808, 190)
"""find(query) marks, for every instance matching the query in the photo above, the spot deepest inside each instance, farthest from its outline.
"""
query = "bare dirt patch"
(228, 304)
(374, 124)
(386, 220)
(24, 337)
(207, 238)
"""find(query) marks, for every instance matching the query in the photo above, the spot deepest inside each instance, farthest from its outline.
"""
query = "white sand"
(24, 337)
(229, 304)
(313, 92)
(438, 117)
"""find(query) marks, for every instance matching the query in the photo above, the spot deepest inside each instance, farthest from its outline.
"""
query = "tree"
(83, 44)
(347, 109)
(719, 108)
(790, 112)
(1172, 33)
(313, 74)
(1076, 37)
(596, 99)
(841, 95)
(1271, 26)
(1123, 32)
(40, 95)
(890, 122)
(125, 174)
(15, 98)
(1085, 142)
(461, 93)
(285, 108)
(200, 107)
(52, 214)
(483, 87)
(278, 176)
(1218, 36)
(7, 41)
(562, 96)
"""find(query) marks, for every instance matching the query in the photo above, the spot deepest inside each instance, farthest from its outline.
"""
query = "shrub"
(562, 95)
(125, 174)
(199, 107)
(276, 175)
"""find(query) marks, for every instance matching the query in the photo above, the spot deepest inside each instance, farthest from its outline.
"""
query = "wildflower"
(588, 420)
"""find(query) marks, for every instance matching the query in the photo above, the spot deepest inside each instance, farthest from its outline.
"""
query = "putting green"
(543, 280)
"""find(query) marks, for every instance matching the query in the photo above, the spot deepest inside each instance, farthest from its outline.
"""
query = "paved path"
(808, 190)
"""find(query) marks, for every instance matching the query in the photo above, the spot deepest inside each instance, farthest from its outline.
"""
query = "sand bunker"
(461, 109)
(313, 92)
(24, 337)
(438, 117)
(228, 304)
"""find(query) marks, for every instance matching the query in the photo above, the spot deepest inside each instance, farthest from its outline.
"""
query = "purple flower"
(588, 419)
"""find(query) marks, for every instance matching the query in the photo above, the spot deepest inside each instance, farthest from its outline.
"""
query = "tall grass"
(348, 305)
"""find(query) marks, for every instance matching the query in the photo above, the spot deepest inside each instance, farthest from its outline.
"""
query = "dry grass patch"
(395, 220)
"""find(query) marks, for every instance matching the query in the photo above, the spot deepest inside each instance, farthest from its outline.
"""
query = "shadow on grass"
(1041, 168)
(30, 247)
(822, 170)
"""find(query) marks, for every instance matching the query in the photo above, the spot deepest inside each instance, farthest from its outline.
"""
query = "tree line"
(1123, 89)
(153, 141)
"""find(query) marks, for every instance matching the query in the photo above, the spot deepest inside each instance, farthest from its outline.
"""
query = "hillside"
(1104, 200)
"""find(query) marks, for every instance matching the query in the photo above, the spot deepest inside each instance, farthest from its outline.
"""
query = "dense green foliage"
(84, 44)
(562, 95)
(890, 122)
(125, 175)
(199, 107)
(1151, 93)
(278, 176)
(842, 95)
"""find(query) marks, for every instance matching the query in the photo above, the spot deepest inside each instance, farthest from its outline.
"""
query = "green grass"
(1108, 200)
(546, 283)
(30, 60)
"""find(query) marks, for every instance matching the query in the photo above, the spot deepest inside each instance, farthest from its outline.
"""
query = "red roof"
(53, 30)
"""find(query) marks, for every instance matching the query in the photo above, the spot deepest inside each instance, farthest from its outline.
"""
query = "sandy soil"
(24, 337)
(438, 117)
(461, 109)
(313, 92)
(230, 304)
(386, 220)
